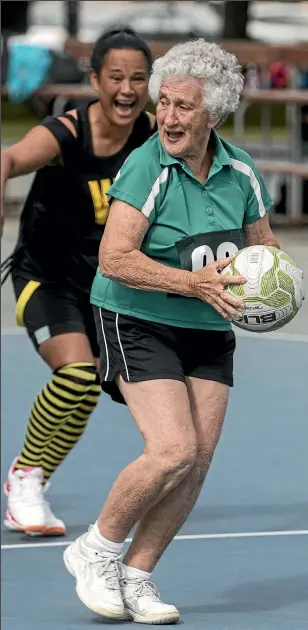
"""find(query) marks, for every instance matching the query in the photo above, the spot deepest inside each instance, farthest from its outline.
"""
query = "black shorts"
(141, 350)
(46, 309)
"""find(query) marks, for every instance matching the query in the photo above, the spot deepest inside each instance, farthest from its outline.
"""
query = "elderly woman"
(182, 205)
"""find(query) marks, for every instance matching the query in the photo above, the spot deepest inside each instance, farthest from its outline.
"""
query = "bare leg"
(161, 409)
(66, 348)
(160, 524)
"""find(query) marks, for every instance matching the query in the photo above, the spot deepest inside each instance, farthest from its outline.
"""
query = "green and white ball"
(274, 290)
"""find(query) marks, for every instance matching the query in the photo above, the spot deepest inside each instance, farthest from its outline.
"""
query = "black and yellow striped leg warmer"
(59, 416)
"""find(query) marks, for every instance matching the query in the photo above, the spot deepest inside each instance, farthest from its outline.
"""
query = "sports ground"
(240, 561)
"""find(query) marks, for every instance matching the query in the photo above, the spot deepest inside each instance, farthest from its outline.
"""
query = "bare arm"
(121, 260)
(260, 233)
(120, 257)
(38, 148)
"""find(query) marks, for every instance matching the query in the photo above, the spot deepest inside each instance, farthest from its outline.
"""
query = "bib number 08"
(204, 255)
(199, 250)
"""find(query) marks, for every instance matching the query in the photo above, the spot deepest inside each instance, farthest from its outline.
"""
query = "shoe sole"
(52, 531)
(152, 620)
(32, 529)
(108, 614)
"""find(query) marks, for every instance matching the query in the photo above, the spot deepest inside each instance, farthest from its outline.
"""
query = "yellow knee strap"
(79, 377)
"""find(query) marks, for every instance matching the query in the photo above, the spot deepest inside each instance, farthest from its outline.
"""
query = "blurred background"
(270, 40)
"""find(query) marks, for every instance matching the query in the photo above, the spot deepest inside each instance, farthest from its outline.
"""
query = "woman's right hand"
(209, 286)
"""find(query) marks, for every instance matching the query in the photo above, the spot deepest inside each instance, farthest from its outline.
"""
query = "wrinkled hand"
(209, 286)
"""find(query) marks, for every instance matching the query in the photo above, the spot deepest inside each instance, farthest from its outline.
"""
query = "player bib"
(200, 250)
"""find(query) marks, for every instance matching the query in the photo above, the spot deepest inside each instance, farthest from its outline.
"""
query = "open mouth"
(174, 136)
(124, 107)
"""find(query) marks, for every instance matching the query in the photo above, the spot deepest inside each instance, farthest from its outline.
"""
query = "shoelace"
(110, 567)
(147, 588)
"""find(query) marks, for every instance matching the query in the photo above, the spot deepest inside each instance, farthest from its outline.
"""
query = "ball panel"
(268, 282)
(286, 283)
(283, 256)
(233, 270)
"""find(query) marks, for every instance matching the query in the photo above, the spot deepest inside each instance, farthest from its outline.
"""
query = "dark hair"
(120, 38)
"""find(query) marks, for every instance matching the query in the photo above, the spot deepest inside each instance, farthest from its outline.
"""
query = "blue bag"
(28, 67)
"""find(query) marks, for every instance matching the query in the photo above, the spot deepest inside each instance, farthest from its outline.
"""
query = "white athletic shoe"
(143, 604)
(97, 574)
(27, 509)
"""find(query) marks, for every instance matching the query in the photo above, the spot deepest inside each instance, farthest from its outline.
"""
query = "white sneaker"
(25, 505)
(97, 574)
(27, 509)
(143, 604)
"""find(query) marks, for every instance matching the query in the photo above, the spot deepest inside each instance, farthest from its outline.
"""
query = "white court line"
(273, 336)
(65, 543)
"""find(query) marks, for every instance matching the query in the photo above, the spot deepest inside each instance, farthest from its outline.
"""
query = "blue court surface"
(241, 560)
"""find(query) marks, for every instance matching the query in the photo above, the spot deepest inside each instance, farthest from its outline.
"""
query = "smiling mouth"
(174, 136)
(124, 106)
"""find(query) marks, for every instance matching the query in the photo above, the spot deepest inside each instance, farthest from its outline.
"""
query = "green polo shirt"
(190, 225)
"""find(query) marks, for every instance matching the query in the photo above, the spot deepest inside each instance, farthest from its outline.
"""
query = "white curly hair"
(219, 70)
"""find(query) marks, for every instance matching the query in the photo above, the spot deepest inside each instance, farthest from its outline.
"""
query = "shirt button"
(209, 210)
(204, 193)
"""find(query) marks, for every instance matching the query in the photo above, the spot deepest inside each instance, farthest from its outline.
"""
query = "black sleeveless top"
(64, 215)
